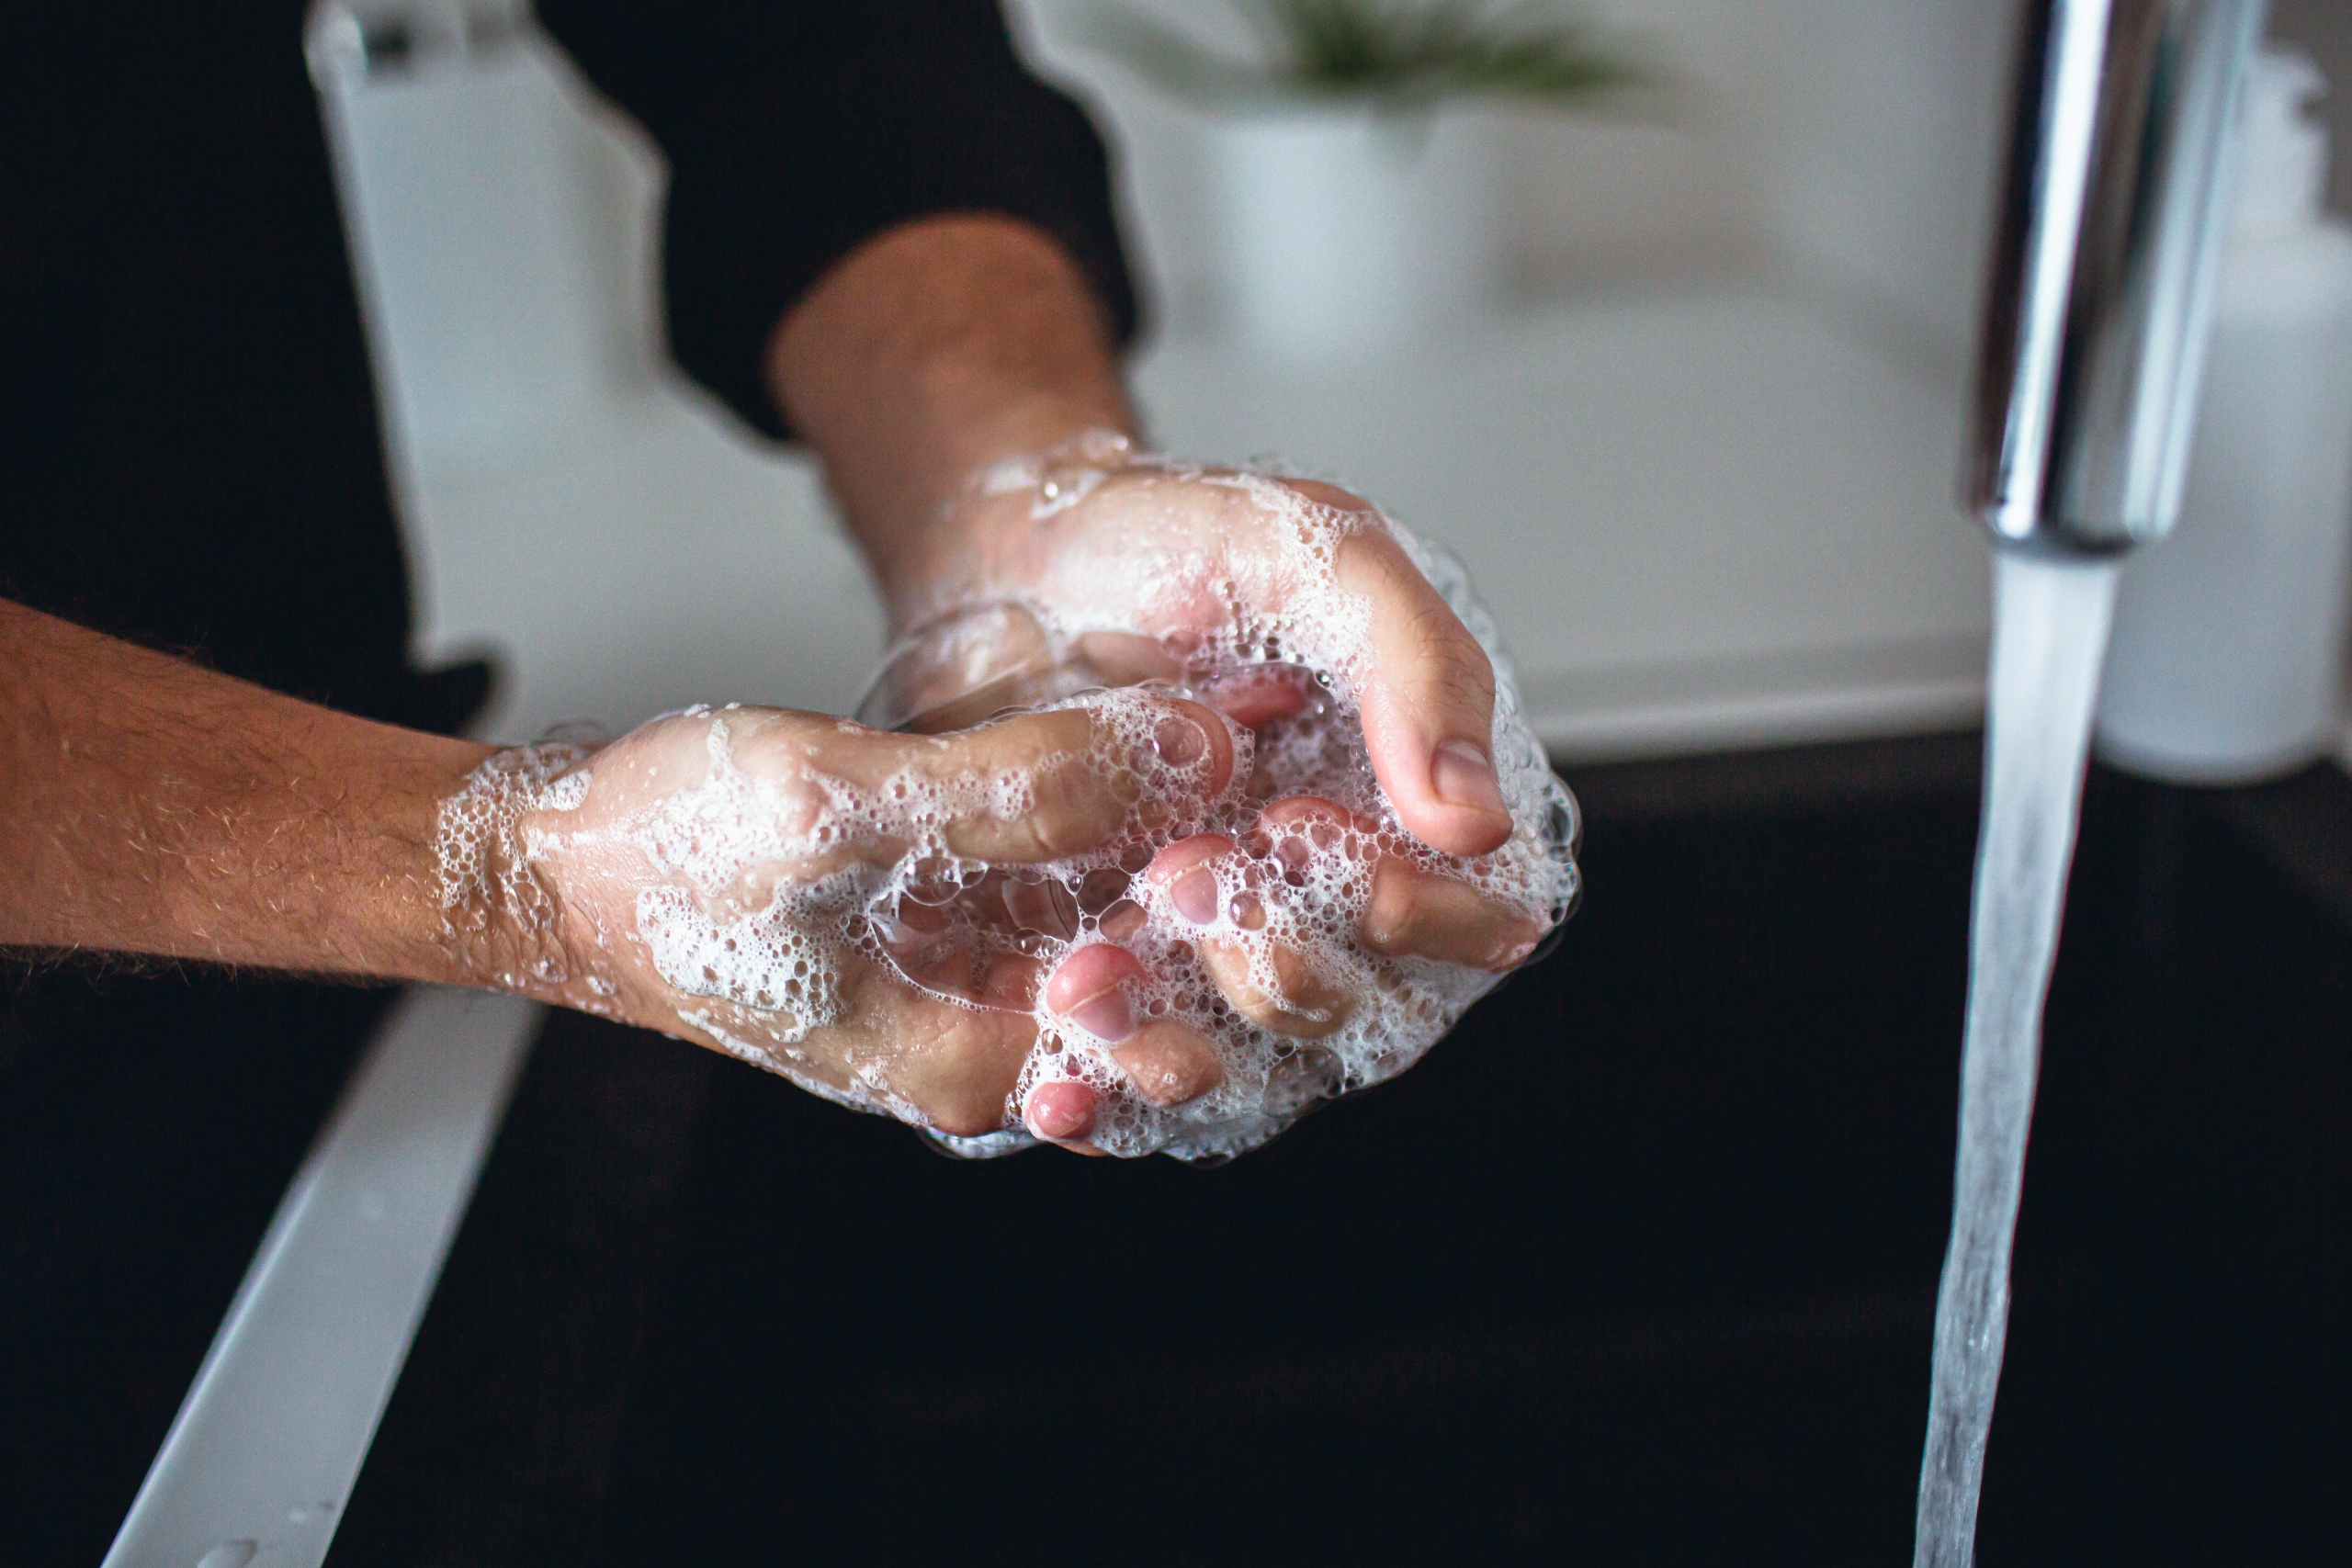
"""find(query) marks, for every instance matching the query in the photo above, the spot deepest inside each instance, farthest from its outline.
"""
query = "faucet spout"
(2102, 277)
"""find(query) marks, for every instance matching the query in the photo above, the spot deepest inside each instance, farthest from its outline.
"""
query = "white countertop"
(1701, 522)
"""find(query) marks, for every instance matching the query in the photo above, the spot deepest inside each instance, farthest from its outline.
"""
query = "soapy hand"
(1151, 561)
(1232, 853)
(1261, 595)
(715, 874)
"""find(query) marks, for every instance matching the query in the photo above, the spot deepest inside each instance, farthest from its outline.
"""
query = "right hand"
(711, 850)
(1096, 537)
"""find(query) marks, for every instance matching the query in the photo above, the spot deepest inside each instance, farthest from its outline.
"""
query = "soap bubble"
(760, 956)
(1289, 902)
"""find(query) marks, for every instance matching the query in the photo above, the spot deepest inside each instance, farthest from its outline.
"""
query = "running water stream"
(2050, 626)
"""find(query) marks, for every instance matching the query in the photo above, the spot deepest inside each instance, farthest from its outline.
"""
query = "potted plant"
(1354, 215)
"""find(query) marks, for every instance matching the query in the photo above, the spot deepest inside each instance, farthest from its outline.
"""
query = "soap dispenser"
(2228, 659)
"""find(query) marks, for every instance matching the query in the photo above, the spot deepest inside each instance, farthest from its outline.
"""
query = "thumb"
(1429, 703)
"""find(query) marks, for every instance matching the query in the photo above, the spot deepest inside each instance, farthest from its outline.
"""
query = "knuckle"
(969, 1078)
(1172, 1075)
(1067, 814)
(966, 1117)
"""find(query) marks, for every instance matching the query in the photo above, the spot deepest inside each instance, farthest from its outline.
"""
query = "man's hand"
(157, 807)
(1178, 558)
(709, 875)
(1174, 556)
(953, 344)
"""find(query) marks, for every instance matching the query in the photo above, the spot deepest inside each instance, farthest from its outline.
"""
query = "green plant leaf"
(1413, 52)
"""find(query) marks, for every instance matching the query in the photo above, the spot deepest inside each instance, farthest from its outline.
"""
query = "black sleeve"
(796, 129)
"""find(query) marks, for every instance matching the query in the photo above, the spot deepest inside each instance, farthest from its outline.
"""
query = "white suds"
(484, 867)
(1300, 889)
(765, 902)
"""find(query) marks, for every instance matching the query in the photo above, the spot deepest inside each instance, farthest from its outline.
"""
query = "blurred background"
(1689, 406)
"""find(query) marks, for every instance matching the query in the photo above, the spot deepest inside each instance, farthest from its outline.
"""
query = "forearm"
(149, 806)
(931, 352)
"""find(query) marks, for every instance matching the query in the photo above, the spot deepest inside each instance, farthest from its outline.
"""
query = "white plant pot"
(1346, 235)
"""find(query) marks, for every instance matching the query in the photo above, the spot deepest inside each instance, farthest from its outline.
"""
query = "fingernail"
(1107, 1017)
(1194, 895)
(1053, 1117)
(1180, 742)
(1463, 776)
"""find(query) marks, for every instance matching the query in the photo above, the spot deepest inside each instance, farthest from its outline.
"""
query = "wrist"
(931, 352)
(976, 542)
(503, 918)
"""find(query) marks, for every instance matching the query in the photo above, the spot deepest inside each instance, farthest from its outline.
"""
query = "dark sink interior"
(1639, 1266)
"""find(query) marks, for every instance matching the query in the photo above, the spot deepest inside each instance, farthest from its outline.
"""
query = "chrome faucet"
(2102, 278)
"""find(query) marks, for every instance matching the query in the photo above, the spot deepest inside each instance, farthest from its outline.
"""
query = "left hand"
(708, 874)
(1160, 558)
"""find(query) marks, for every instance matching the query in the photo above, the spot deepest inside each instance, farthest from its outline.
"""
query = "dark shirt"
(192, 453)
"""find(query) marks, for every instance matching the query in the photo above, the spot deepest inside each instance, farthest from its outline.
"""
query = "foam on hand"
(1294, 898)
(764, 903)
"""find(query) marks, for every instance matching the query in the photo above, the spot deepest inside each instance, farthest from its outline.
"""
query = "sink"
(1641, 1263)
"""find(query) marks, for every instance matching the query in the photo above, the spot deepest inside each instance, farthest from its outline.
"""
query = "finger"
(1260, 693)
(1128, 659)
(1411, 910)
(1187, 871)
(1062, 1112)
(1168, 1062)
(1090, 988)
(1302, 824)
(1422, 913)
(1429, 703)
(1075, 802)
(1071, 803)
(1299, 1002)
(956, 1066)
